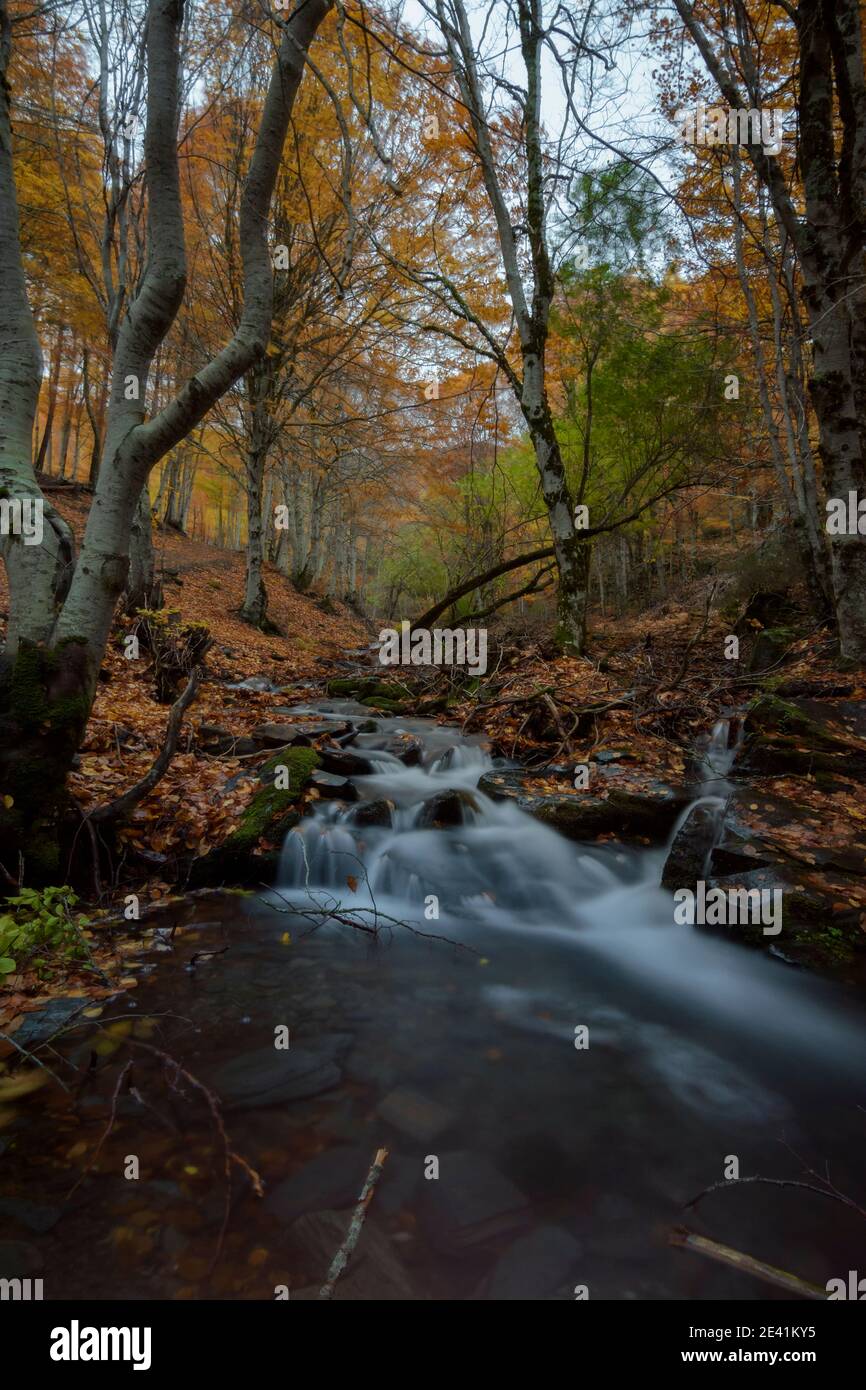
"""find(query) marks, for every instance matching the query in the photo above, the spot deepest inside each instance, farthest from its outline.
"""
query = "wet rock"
(399, 1183)
(36, 1216)
(270, 735)
(415, 1115)
(331, 1179)
(373, 1272)
(333, 788)
(257, 683)
(386, 706)
(373, 1065)
(691, 848)
(750, 931)
(368, 688)
(584, 815)
(309, 730)
(215, 740)
(342, 763)
(470, 1203)
(535, 1266)
(41, 1024)
(446, 809)
(407, 747)
(804, 736)
(761, 845)
(271, 1077)
(373, 813)
(335, 1178)
(267, 820)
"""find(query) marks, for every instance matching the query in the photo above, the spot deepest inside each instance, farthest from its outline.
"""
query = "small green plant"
(39, 925)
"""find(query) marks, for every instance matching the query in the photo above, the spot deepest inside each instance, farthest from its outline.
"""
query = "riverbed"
(555, 1066)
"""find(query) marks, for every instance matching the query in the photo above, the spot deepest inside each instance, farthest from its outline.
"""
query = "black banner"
(69, 1339)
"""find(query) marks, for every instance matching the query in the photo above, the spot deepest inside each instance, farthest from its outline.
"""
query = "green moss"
(272, 810)
(775, 715)
(346, 688)
(365, 687)
(28, 701)
(300, 763)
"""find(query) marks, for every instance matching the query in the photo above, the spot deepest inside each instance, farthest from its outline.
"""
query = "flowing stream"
(452, 1034)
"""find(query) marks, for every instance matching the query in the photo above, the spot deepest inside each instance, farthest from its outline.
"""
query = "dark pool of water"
(558, 1166)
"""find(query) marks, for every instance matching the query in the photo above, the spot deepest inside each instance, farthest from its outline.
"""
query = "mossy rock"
(300, 761)
(270, 816)
(345, 688)
(271, 810)
(365, 688)
(814, 934)
(771, 647)
(769, 712)
(582, 817)
(781, 737)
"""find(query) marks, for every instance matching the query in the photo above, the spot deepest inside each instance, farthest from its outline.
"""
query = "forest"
(432, 644)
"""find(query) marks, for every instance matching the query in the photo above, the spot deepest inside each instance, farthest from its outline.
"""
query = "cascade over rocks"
(447, 809)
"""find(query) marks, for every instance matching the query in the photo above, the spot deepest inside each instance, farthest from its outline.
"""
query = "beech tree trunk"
(142, 589)
(61, 614)
(255, 605)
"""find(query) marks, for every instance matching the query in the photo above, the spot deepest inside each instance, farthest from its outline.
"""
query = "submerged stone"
(470, 1203)
(270, 1077)
(536, 1265)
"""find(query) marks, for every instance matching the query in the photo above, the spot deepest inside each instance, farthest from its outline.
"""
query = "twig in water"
(747, 1264)
(343, 1255)
(105, 1133)
(827, 1190)
(31, 1056)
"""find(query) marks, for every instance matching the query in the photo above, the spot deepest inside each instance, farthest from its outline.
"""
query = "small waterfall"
(718, 757)
(716, 761)
(461, 757)
(499, 875)
(480, 858)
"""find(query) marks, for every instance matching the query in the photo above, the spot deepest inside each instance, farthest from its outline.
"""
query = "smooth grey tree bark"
(35, 572)
(60, 623)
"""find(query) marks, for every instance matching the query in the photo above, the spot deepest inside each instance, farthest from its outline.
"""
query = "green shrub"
(37, 926)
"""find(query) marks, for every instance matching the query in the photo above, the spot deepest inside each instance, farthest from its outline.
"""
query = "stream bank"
(785, 763)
